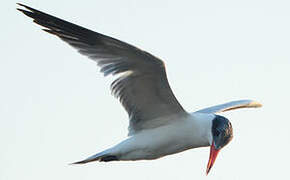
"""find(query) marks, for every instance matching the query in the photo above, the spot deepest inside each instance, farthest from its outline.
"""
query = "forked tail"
(102, 157)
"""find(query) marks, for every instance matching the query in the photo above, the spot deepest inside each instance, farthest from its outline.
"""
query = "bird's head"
(222, 134)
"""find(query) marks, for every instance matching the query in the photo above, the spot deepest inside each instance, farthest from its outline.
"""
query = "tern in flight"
(159, 126)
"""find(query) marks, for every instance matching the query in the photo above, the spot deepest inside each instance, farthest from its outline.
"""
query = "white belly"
(162, 141)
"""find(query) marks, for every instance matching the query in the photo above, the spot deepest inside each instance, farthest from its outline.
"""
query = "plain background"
(55, 108)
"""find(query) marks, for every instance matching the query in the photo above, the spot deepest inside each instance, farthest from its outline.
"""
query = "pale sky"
(56, 108)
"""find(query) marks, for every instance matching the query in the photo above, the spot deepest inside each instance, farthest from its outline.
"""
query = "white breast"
(190, 132)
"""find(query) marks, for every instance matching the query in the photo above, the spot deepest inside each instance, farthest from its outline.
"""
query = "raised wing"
(231, 106)
(142, 88)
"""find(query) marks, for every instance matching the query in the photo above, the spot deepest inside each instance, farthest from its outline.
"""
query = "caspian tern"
(159, 126)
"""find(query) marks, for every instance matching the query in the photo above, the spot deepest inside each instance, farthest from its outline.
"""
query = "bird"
(158, 124)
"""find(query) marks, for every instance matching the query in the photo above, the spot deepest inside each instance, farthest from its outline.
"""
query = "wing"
(231, 106)
(142, 87)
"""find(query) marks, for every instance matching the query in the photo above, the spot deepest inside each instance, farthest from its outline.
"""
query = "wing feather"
(142, 89)
(231, 106)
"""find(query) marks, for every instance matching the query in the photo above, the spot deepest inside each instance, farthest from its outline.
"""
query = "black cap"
(222, 131)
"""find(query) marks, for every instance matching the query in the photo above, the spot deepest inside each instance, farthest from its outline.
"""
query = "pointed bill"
(212, 157)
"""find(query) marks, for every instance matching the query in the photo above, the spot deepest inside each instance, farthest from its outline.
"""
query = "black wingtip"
(20, 9)
(65, 30)
(19, 4)
(27, 7)
(27, 13)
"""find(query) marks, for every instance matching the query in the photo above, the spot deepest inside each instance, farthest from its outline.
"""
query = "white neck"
(202, 124)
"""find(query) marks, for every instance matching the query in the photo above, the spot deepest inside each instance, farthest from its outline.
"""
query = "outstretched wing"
(142, 88)
(231, 106)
